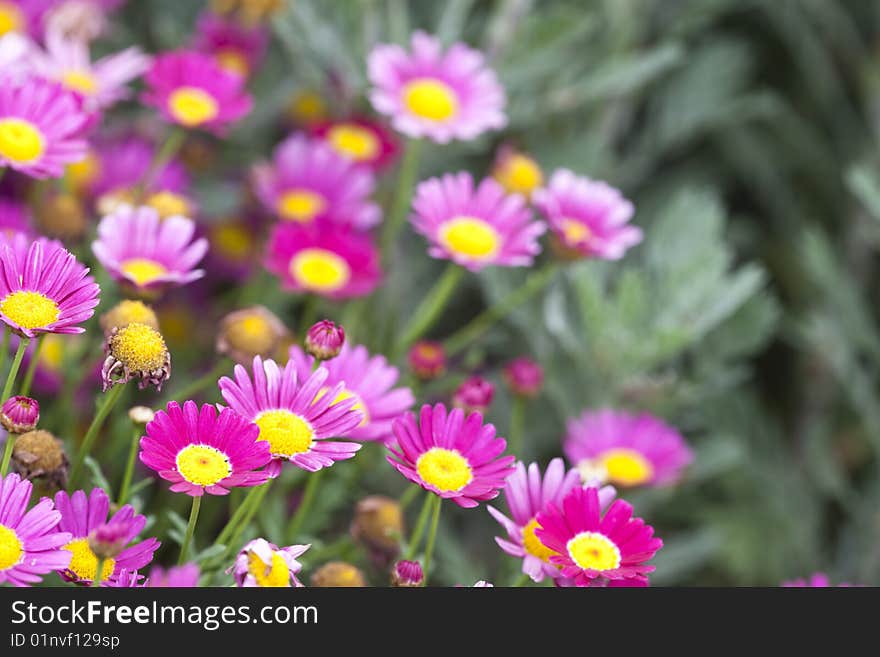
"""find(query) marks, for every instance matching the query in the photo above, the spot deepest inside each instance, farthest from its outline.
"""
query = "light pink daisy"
(141, 250)
(429, 92)
(329, 261)
(475, 227)
(370, 381)
(625, 449)
(453, 456)
(296, 416)
(261, 563)
(30, 541)
(191, 90)
(41, 127)
(203, 451)
(309, 182)
(588, 217)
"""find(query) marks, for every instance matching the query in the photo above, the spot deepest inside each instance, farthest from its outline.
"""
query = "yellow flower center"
(82, 173)
(52, 353)
(575, 232)
(307, 106)
(593, 551)
(354, 141)
(430, 99)
(470, 237)
(319, 270)
(626, 467)
(84, 563)
(20, 140)
(169, 204)
(233, 240)
(11, 548)
(203, 465)
(445, 469)
(348, 394)
(287, 433)
(232, 61)
(191, 106)
(11, 18)
(81, 81)
(139, 347)
(533, 544)
(30, 310)
(252, 334)
(519, 173)
(143, 270)
(300, 205)
(278, 574)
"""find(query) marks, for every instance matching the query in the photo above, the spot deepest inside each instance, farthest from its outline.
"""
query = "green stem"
(125, 486)
(32, 367)
(432, 536)
(7, 453)
(203, 382)
(4, 350)
(409, 169)
(240, 511)
(308, 313)
(13, 371)
(99, 573)
(520, 581)
(163, 156)
(408, 496)
(305, 505)
(88, 441)
(190, 529)
(536, 282)
(431, 307)
(247, 516)
(517, 417)
(416, 537)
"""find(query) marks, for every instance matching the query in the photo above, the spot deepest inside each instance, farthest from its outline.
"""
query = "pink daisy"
(369, 380)
(14, 218)
(139, 249)
(475, 227)
(176, 577)
(626, 450)
(80, 516)
(589, 545)
(238, 49)
(190, 89)
(360, 139)
(527, 494)
(44, 289)
(429, 92)
(41, 127)
(201, 451)
(308, 182)
(296, 416)
(30, 541)
(122, 164)
(261, 563)
(588, 217)
(453, 456)
(329, 261)
(814, 581)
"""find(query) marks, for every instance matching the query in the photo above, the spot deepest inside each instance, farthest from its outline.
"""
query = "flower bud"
(141, 415)
(109, 539)
(338, 573)
(250, 332)
(324, 340)
(20, 414)
(427, 360)
(516, 172)
(407, 574)
(378, 523)
(524, 377)
(474, 395)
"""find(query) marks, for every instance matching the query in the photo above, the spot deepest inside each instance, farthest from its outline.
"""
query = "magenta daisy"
(191, 90)
(588, 217)
(626, 450)
(41, 127)
(308, 182)
(201, 451)
(370, 381)
(451, 455)
(261, 563)
(475, 227)
(30, 541)
(237, 49)
(331, 262)
(176, 577)
(146, 252)
(429, 92)
(80, 516)
(360, 139)
(588, 544)
(44, 290)
(101, 83)
(296, 415)
(527, 494)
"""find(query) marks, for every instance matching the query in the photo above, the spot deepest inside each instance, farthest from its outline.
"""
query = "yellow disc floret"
(575, 232)
(232, 240)
(80, 81)
(533, 544)
(626, 467)
(192, 106)
(11, 548)
(300, 205)
(286, 432)
(169, 204)
(470, 237)
(20, 141)
(354, 141)
(126, 312)
(431, 99)
(203, 465)
(139, 347)
(319, 270)
(232, 61)
(275, 574)
(30, 310)
(143, 271)
(445, 469)
(84, 563)
(519, 173)
(594, 551)
(11, 18)
(348, 394)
